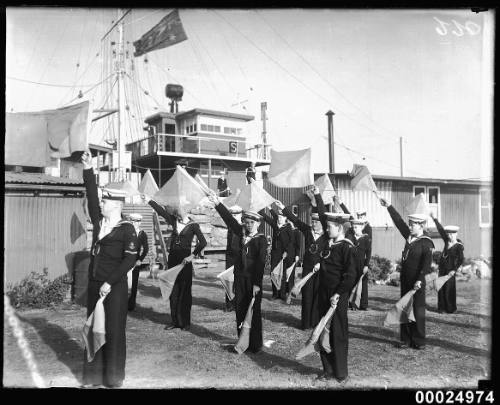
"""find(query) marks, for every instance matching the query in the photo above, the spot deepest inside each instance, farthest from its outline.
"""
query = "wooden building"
(465, 203)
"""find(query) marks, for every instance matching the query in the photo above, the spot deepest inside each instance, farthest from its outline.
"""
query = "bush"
(380, 268)
(37, 291)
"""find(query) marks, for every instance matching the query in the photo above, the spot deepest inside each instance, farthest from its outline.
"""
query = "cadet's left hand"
(417, 285)
(285, 254)
(256, 290)
(334, 300)
(279, 204)
(188, 259)
(138, 263)
(316, 267)
(296, 259)
(452, 273)
(365, 269)
(104, 290)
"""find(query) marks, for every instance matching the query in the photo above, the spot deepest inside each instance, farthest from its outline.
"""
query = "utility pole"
(331, 147)
(401, 154)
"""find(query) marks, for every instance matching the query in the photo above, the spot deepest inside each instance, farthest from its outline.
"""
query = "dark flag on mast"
(169, 31)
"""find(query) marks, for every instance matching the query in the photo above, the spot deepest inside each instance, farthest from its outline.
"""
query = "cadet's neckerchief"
(411, 240)
(119, 223)
(333, 243)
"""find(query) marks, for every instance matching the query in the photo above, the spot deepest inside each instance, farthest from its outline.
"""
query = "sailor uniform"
(249, 262)
(282, 241)
(113, 254)
(416, 263)
(180, 248)
(451, 259)
(336, 276)
(142, 251)
(313, 246)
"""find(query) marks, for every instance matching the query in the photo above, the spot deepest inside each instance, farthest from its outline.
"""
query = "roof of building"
(469, 182)
(39, 178)
(160, 114)
(199, 111)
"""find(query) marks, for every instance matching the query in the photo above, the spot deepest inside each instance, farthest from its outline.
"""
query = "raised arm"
(396, 218)
(201, 240)
(91, 189)
(270, 220)
(440, 229)
(228, 219)
(161, 211)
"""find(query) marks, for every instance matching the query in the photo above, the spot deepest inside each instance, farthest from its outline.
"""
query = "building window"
(432, 197)
(204, 127)
(216, 128)
(485, 208)
(194, 127)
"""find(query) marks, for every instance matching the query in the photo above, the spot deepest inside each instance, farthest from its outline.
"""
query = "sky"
(423, 75)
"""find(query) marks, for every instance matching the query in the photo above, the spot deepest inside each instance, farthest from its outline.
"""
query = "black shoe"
(114, 385)
(324, 377)
(402, 345)
(363, 309)
(418, 347)
(169, 327)
(343, 380)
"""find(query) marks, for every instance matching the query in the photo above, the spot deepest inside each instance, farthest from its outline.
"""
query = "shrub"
(380, 268)
(37, 291)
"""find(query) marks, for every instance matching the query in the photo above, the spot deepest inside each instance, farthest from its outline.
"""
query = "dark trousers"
(181, 298)
(335, 362)
(133, 290)
(229, 303)
(108, 366)
(414, 332)
(310, 311)
(447, 296)
(364, 293)
(243, 289)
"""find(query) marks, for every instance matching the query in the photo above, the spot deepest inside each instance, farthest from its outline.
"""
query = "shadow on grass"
(149, 290)
(445, 344)
(68, 351)
(142, 313)
(482, 316)
(384, 300)
(263, 359)
(457, 324)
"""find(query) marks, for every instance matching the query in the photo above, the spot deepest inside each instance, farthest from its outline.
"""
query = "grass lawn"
(457, 353)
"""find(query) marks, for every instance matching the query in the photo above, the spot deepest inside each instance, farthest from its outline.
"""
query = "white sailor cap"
(360, 212)
(135, 217)
(417, 218)
(337, 217)
(235, 209)
(251, 215)
(357, 222)
(451, 228)
(315, 216)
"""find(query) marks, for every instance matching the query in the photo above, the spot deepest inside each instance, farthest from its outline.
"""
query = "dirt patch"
(457, 353)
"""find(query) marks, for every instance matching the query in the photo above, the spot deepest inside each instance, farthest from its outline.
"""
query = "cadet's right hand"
(384, 202)
(213, 199)
(334, 300)
(316, 267)
(146, 198)
(87, 160)
(285, 254)
(315, 189)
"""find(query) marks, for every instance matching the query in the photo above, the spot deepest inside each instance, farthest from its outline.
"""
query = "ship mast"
(120, 72)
